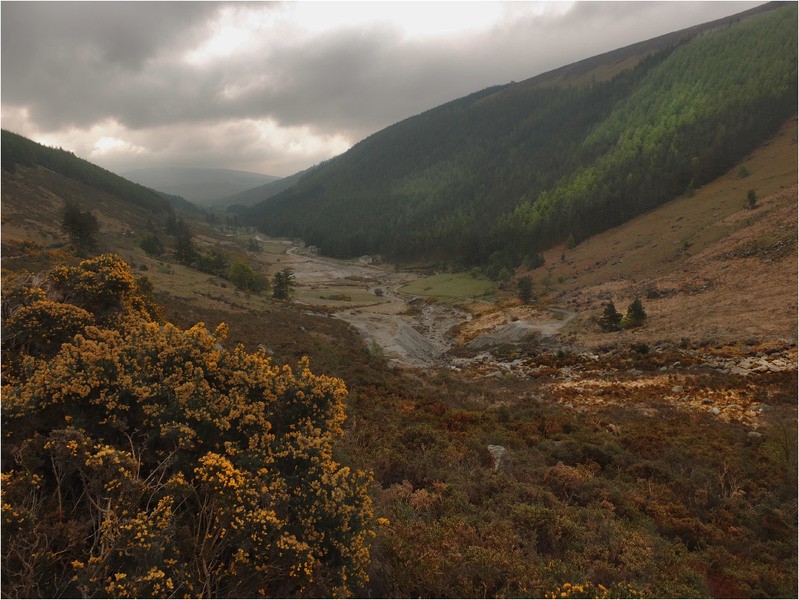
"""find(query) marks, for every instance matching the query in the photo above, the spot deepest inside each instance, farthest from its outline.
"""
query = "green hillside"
(506, 172)
(18, 150)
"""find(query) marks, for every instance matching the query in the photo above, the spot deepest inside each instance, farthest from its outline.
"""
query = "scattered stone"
(707, 401)
(499, 456)
(495, 374)
(636, 372)
(715, 410)
(754, 435)
(614, 429)
(734, 406)
(678, 389)
(739, 371)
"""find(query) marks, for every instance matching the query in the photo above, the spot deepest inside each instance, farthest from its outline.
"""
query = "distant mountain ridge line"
(198, 184)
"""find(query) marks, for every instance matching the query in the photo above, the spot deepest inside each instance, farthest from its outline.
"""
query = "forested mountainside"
(18, 150)
(506, 172)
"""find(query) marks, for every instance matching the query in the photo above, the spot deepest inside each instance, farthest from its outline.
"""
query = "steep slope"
(706, 266)
(197, 184)
(19, 151)
(33, 199)
(504, 173)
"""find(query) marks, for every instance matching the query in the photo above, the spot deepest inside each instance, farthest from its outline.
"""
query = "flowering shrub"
(149, 461)
(588, 589)
(44, 326)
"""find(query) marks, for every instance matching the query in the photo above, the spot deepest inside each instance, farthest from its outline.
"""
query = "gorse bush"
(142, 460)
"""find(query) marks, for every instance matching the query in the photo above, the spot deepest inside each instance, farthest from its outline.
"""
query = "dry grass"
(682, 251)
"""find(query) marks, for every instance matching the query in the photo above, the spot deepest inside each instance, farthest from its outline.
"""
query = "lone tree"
(751, 199)
(81, 226)
(525, 289)
(635, 316)
(185, 252)
(282, 283)
(611, 318)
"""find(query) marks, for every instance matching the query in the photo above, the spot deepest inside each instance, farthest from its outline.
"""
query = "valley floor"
(518, 448)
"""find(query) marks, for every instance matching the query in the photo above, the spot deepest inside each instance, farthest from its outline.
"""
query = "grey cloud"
(125, 33)
(70, 62)
(76, 64)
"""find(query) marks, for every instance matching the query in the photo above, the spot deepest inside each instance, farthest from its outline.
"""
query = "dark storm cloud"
(76, 65)
(72, 63)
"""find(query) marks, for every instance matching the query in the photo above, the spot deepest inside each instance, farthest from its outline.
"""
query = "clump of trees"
(244, 277)
(612, 319)
(152, 245)
(81, 226)
(142, 460)
(185, 251)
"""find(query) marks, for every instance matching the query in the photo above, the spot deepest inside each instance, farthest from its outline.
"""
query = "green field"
(451, 286)
(336, 297)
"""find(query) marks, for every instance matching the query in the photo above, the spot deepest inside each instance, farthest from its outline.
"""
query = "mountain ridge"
(198, 184)
(514, 169)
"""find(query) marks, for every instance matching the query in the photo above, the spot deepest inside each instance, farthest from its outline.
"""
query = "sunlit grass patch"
(451, 286)
(336, 297)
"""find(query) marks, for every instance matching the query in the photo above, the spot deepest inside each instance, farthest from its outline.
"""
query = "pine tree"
(81, 226)
(635, 316)
(611, 318)
(525, 289)
(751, 199)
(185, 252)
(282, 283)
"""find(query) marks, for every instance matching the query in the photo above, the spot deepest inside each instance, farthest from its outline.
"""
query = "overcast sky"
(275, 88)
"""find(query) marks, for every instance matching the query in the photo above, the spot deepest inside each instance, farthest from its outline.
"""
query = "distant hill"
(20, 151)
(498, 176)
(258, 194)
(198, 185)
